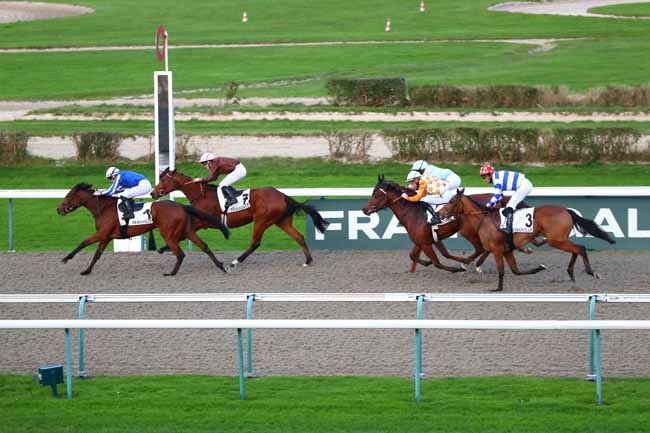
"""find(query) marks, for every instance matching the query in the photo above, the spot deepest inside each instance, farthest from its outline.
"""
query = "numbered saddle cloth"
(522, 221)
(243, 202)
(141, 213)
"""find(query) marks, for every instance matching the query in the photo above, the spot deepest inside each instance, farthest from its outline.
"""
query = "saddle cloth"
(522, 221)
(141, 214)
(243, 202)
(434, 229)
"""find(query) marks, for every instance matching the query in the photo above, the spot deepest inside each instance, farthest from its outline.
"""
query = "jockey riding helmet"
(207, 156)
(486, 169)
(419, 165)
(413, 175)
(112, 171)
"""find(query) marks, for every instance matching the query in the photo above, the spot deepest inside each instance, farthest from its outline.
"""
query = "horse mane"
(391, 186)
(83, 186)
(481, 206)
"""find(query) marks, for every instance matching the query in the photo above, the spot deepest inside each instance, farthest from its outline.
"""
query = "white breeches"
(238, 173)
(453, 183)
(435, 199)
(142, 188)
(524, 189)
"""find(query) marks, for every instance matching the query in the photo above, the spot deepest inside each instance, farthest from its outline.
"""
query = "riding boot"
(129, 204)
(228, 195)
(510, 214)
(434, 220)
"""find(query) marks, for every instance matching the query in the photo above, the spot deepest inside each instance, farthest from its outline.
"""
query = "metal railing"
(623, 191)
(595, 372)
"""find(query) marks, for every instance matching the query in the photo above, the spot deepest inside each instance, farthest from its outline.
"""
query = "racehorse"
(553, 222)
(268, 206)
(174, 221)
(411, 215)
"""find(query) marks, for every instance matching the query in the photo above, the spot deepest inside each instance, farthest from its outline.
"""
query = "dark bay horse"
(553, 222)
(411, 215)
(268, 206)
(174, 220)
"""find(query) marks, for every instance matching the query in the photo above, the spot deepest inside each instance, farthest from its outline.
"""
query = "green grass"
(633, 10)
(326, 404)
(580, 65)
(275, 127)
(38, 227)
(123, 22)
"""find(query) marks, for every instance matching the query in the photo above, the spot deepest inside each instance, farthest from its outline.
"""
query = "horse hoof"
(224, 269)
(528, 250)
(462, 265)
(479, 270)
(494, 290)
(543, 266)
(84, 273)
(597, 275)
(304, 265)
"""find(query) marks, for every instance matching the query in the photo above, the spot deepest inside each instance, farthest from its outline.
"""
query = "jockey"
(506, 181)
(452, 179)
(127, 185)
(429, 192)
(232, 168)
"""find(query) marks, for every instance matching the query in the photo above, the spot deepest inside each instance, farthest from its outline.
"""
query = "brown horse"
(411, 215)
(174, 221)
(268, 206)
(553, 222)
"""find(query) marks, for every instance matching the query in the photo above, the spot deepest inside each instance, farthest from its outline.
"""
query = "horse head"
(385, 193)
(455, 206)
(75, 198)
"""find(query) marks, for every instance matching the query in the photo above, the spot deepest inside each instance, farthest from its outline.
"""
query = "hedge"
(367, 92)
(517, 144)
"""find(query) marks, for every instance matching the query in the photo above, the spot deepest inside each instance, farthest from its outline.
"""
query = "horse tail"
(587, 226)
(209, 218)
(294, 207)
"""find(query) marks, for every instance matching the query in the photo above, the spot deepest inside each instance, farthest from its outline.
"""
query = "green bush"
(13, 147)
(478, 97)
(349, 146)
(517, 144)
(367, 92)
(100, 146)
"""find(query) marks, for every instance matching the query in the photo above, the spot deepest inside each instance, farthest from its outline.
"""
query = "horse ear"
(460, 191)
(382, 177)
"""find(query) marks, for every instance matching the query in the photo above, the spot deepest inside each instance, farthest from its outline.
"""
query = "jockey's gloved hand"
(99, 192)
(197, 179)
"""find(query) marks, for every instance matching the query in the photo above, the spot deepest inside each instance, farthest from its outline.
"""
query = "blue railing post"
(249, 335)
(592, 333)
(11, 226)
(418, 351)
(82, 304)
(68, 362)
(240, 350)
(599, 371)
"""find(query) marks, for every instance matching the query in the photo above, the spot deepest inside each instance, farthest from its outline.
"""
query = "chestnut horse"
(174, 221)
(268, 206)
(553, 222)
(412, 216)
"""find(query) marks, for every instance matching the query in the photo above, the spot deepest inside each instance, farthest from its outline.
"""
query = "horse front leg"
(100, 249)
(428, 250)
(443, 250)
(91, 240)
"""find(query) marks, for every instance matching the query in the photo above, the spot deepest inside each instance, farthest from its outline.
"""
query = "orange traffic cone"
(244, 18)
(387, 29)
(421, 5)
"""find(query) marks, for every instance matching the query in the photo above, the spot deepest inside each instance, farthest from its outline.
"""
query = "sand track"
(314, 352)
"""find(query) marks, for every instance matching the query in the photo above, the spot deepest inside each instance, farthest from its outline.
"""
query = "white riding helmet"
(207, 156)
(419, 165)
(412, 175)
(112, 171)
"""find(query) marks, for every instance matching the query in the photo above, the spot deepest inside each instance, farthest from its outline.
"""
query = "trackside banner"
(627, 219)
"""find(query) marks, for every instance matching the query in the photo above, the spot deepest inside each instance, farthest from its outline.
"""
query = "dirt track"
(313, 352)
